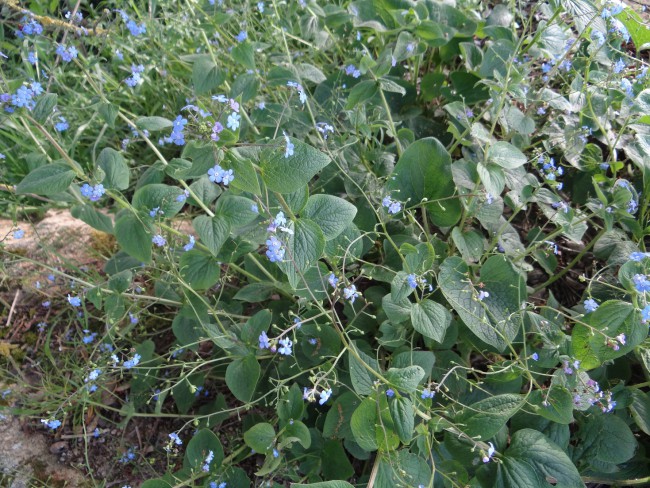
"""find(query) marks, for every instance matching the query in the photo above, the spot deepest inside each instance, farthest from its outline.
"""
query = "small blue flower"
(254, 208)
(208, 460)
(32, 57)
(482, 295)
(260, 7)
(490, 453)
(242, 36)
(427, 393)
(286, 344)
(175, 439)
(183, 196)
(19, 234)
(535, 357)
(275, 453)
(62, 125)
(645, 314)
(332, 280)
(619, 66)
(190, 245)
(67, 53)
(289, 148)
(132, 362)
(74, 301)
(89, 338)
(275, 251)
(133, 318)
(158, 240)
(233, 121)
(51, 423)
(641, 283)
(390, 393)
(324, 396)
(639, 256)
(264, 341)
(351, 293)
(590, 305)
(412, 281)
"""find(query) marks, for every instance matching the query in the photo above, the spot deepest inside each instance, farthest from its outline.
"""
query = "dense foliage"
(399, 242)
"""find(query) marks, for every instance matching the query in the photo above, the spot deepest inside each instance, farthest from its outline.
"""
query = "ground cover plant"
(384, 243)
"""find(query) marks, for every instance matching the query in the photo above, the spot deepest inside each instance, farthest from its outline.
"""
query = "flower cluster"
(325, 129)
(351, 293)
(415, 281)
(393, 206)
(133, 27)
(93, 193)
(23, 97)
(208, 460)
(641, 283)
(177, 136)
(30, 27)
(92, 376)
(550, 171)
(132, 362)
(220, 175)
(352, 71)
(67, 53)
(136, 76)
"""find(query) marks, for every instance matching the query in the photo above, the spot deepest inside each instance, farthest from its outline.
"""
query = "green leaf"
(430, 319)
(495, 320)
(108, 112)
(199, 447)
(292, 404)
(93, 218)
(47, 180)
(157, 483)
(213, 231)
(362, 379)
(255, 292)
(187, 328)
(243, 54)
(206, 75)
(335, 462)
(44, 107)
(533, 461)
(310, 72)
(403, 415)
(487, 417)
(506, 155)
(637, 28)
(640, 409)
(361, 92)
(607, 439)
(236, 211)
(363, 423)
(164, 197)
(332, 214)
(390, 86)
(303, 247)
(246, 177)
(405, 379)
(242, 376)
(255, 325)
(614, 317)
(397, 311)
(115, 169)
(424, 172)
(323, 484)
(297, 431)
(260, 437)
(286, 175)
(134, 236)
(199, 269)
(555, 404)
(153, 124)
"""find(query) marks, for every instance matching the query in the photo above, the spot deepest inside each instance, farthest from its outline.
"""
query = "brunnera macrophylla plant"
(402, 243)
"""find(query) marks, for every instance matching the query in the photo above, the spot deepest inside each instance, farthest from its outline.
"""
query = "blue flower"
(641, 283)
(175, 439)
(31, 27)
(132, 362)
(32, 57)
(535, 357)
(490, 453)
(67, 53)
(74, 301)
(275, 453)
(62, 125)
(599, 37)
(289, 149)
(208, 460)
(645, 314)
(275, 251)
(332, 280)
(19, 234)
(136, 29)
(286, 344)
(158, 240)
(260, 7)
(412, 281)
(233, 121)
(93, 193)
(590, 305)
(136, 77)
(264, 341)
(51, 423)
(183, 196)
(390, 393)
(427, 393)
(619, 66)
(254, 208)
(133, 318)
(190, 245)
(324, 396)
(351, 293)
(482, 295)
(89, 338)
(242, 36)
(639, 256)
